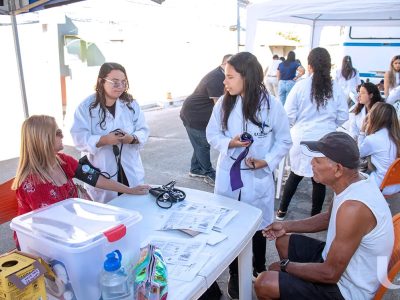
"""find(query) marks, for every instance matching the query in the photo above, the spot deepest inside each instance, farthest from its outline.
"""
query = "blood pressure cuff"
(87, 172)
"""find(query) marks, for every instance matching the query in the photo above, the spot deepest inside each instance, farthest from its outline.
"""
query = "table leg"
(245, 272)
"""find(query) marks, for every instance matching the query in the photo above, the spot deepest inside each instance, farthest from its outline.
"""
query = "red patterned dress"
(33, 194)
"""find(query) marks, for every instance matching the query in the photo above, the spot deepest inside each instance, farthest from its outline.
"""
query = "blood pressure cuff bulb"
(87, 172)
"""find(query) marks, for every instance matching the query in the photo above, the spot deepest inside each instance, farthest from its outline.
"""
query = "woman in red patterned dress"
(44, 175)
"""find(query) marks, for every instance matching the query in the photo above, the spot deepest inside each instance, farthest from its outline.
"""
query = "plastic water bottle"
(114, 280)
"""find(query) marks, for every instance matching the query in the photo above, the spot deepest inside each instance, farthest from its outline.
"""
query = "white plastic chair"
(279, 173)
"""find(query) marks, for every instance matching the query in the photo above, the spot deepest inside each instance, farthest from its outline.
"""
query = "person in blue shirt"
(286, 75)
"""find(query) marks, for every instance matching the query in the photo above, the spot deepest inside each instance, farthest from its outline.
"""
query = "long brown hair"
(383, 115)
(376, 97)
(247, 65)
(348, 71)
(392, 72)
(37, 156)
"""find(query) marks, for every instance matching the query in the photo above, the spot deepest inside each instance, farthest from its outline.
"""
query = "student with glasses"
(110, 129)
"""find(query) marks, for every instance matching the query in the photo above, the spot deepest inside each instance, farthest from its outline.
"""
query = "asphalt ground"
(166, 157)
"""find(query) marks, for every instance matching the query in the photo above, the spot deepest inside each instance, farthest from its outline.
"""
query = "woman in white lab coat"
(315, 106)
(109, 127)
(348, 78)
(247, 107)
(369, 95)
(380, 139)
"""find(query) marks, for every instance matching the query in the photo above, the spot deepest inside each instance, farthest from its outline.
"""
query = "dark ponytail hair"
(321, 87)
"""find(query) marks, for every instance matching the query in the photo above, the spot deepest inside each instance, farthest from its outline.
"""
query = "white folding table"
(239, 230)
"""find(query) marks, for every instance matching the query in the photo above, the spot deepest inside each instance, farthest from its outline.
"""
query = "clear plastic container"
(79, 233)
(114, 280)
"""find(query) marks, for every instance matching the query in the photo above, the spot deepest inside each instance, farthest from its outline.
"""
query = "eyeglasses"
(117, 83)
(59, 133)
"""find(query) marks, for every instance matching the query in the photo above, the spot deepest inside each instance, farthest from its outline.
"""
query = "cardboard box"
(21, 277)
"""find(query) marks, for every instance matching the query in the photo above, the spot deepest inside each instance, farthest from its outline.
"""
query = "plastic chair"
(392, 175)
(394, 263)
(279, 177)
(8, 202)
(279, 174)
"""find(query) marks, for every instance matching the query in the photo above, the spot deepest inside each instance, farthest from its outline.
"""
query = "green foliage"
(289, 36)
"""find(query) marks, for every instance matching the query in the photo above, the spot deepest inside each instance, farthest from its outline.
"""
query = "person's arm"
(112, 185)
(349, 232)
(278, 75)
(366, 144)
(300, 71)
(141, 131)
(81, 132)
(386, 84)
(394, 95)
(215, 135)
(315, 223)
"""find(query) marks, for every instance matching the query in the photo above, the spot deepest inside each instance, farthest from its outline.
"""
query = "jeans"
(284, 87)
(201, 161)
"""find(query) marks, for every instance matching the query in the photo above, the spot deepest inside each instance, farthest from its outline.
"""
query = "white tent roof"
(319, 13)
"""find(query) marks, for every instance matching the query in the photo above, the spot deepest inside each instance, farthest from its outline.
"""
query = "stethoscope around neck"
(247, 137)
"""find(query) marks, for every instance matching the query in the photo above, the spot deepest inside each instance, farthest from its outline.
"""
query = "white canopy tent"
(16, 7)
(320, 13)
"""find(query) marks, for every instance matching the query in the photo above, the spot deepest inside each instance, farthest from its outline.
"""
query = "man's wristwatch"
(283, 263)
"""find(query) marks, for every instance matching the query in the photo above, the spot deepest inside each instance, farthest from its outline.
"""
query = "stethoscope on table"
(167, 194)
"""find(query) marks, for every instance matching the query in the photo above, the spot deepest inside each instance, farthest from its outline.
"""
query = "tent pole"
(19, 60)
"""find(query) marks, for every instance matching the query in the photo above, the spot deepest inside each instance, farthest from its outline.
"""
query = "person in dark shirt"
(195, 114)
(288, 72)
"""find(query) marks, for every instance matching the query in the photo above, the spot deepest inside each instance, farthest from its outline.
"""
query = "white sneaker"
(196, 175)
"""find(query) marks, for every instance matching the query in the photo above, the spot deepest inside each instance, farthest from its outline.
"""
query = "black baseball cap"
(337, 146)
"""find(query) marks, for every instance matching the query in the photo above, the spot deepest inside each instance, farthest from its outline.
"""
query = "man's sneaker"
(209, 180)
(192, 174)
(233, 286)
(280, 215)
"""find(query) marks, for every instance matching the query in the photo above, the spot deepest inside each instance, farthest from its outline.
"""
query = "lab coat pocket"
(261, 185)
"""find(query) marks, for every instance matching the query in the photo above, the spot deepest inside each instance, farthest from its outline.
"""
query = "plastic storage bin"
(74, 236)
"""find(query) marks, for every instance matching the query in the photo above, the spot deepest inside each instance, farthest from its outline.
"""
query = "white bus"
(371, 49)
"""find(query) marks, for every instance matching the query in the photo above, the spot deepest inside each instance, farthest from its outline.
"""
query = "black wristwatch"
(283, 264)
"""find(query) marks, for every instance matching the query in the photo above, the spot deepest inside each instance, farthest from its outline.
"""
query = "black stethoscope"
(167, 194)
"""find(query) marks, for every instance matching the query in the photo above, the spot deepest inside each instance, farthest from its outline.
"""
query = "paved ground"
(166, 156)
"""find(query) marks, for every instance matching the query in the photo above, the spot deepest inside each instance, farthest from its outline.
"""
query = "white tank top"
(360, 280)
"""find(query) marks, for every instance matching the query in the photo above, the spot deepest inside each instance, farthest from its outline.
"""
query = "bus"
(371, 49)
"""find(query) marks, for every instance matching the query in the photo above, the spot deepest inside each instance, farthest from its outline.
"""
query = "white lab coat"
(348, 85)
(356, 122)
(383, 153)
(271, 145)
(308, 123)
(86, 133)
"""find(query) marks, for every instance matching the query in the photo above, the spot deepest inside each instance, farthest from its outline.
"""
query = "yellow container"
(21, 278)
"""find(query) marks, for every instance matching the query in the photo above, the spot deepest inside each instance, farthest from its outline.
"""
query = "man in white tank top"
(360, 230)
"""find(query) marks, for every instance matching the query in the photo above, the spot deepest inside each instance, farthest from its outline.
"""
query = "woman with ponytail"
(315, 106)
